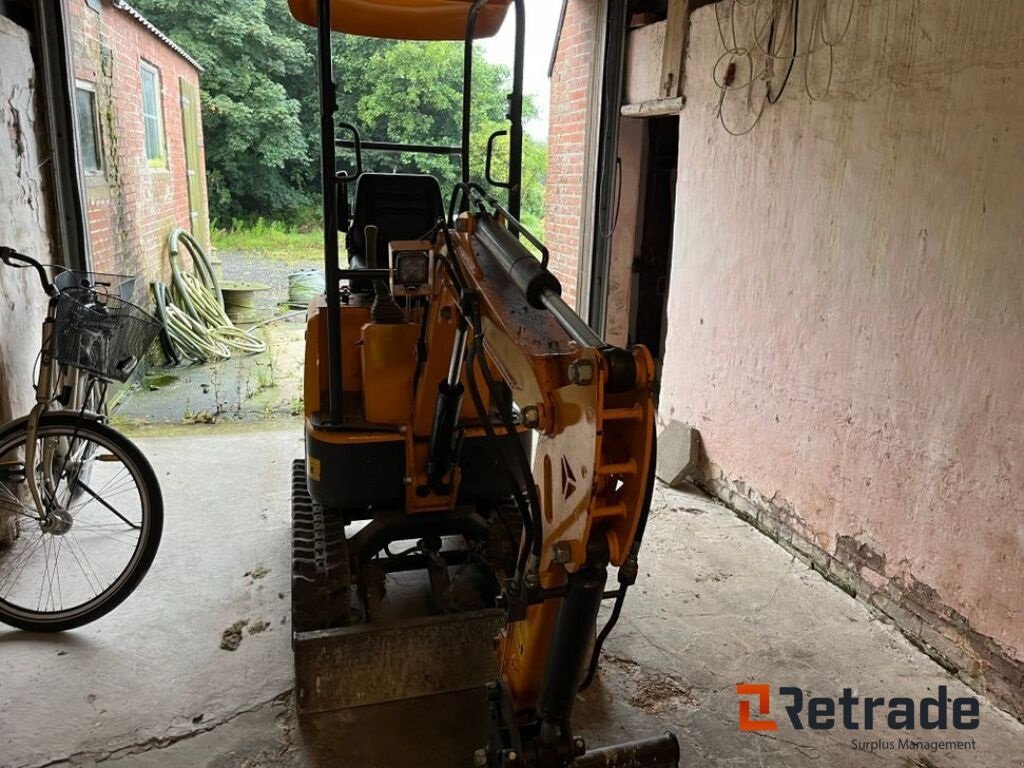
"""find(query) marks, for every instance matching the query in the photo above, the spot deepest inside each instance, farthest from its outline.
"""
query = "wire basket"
(121, 286)
(101, 334)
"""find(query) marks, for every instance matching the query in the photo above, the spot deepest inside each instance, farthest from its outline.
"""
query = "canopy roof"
(405, 19)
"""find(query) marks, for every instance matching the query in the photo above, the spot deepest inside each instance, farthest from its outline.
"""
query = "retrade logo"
(763, 695)
(854, 713)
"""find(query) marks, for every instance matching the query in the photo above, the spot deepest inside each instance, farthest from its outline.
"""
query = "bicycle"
(83, 506)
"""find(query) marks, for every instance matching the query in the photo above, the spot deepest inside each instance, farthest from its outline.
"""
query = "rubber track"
(321, 579)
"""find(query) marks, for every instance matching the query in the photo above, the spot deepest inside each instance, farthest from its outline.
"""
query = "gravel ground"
(248, 267)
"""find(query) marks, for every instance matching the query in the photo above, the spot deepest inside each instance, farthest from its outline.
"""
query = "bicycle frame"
(73, 388)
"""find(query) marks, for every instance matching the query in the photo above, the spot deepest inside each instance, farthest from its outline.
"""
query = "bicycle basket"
(121, 286)
(101, 334)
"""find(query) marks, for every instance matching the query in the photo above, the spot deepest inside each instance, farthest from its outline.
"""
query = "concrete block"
(678, 452)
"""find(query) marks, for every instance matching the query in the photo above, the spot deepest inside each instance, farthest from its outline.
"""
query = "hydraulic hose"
(628, 571)
(513, 485)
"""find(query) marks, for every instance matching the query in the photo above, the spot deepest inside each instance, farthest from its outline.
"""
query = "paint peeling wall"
(847, 316)
(24, 221)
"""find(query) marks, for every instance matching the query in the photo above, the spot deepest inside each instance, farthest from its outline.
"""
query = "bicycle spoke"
(19, 565)
(15, 504)
(92, 493)
(120, 479)
(111, 536)
(46, 571)
(92, 566)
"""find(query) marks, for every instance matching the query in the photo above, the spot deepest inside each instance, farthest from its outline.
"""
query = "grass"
(301, 245)
(273, 240)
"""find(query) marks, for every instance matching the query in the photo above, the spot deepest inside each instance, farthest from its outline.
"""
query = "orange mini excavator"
(477, 457)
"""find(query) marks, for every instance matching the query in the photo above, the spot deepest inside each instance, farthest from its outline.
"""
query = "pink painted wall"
(847, 297)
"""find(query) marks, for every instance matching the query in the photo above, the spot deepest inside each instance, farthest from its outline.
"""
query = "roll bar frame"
(332, 180)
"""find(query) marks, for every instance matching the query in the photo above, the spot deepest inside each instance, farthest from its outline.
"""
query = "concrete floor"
(717, 604)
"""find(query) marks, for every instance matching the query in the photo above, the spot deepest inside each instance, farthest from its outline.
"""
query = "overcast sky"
(541, 25)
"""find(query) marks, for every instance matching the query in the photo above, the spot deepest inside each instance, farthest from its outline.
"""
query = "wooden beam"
(674, 56)
(654, 107)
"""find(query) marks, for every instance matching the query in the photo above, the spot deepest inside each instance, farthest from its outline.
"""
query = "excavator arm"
(585, 493)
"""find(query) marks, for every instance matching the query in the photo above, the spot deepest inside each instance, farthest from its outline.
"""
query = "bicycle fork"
(32, 427)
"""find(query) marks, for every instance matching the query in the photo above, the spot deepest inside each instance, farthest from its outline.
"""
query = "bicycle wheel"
(98, 532)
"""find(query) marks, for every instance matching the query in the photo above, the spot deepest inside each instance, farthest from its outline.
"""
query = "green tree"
(256, 145)
(412, 93)
(261, 110)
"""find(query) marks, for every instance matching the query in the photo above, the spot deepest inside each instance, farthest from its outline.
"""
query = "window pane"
(151, 114)
(87, 139)
(148, 93)
(152, 139)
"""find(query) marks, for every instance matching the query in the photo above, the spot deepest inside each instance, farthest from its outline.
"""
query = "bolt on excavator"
(477, 457)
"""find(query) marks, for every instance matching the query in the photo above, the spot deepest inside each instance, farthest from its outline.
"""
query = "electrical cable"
(763, 42)
(795, 17)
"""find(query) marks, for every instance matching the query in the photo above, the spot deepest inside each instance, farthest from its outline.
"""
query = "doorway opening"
(653, 262)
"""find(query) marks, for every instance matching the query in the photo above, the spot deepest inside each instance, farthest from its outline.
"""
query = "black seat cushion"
(402, 206)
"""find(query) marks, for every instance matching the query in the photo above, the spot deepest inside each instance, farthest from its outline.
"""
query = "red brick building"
(571, 80)
(140, 138)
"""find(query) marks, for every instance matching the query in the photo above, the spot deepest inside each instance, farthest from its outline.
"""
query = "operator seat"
(403, 206)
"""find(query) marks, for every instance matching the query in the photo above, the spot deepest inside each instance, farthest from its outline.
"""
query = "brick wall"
(132, 207)
(570, 85)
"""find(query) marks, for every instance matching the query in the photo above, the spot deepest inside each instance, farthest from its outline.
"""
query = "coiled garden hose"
(196, 324)
(303, 286)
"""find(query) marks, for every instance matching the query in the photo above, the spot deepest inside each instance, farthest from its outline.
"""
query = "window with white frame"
(90, 145)
(152, 115)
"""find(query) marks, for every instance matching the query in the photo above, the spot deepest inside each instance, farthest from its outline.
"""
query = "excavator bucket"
(407, 652)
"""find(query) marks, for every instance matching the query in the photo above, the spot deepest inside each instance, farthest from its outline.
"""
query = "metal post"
(607, 165)
(467, 84)
(577, 617)
(515, 107)
(515, 116)
(58, 93)
(328, 170)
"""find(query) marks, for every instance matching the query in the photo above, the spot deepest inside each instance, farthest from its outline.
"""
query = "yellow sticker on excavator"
(313, 468)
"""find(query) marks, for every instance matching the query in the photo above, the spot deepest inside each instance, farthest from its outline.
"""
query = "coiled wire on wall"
(760, 35)
(196, 326)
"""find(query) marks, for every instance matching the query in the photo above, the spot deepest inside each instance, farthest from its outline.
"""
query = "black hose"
(505, 413)
(599, 642)
(626, 576)
(514, 488)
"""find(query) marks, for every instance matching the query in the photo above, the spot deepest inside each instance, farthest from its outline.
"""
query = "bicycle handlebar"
(12, 258)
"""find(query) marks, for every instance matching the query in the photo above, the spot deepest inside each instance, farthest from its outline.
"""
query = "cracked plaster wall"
(24, 221)
(847, 318)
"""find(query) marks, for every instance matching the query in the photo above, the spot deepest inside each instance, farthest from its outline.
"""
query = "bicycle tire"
(54, 424)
